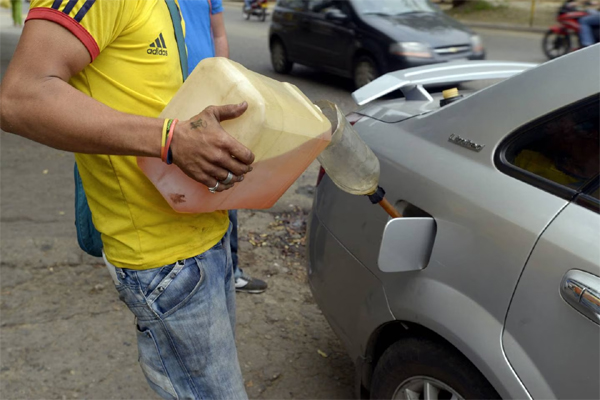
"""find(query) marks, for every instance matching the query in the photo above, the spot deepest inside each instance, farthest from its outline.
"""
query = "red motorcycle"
(563, 38)
(257, 8)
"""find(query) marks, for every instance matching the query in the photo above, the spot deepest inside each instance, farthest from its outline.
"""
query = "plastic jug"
(281, 126)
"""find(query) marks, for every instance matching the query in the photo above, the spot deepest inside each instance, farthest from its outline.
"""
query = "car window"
(297, 5)
(563, 148)
(393, 7)
(322, 6)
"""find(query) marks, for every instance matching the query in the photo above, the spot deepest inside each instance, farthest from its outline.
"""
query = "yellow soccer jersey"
(135, 69)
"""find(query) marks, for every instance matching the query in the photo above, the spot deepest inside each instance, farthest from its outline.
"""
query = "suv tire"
(279, 60)
(365, 71)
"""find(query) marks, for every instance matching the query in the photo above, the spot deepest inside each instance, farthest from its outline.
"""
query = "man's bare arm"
(39, 104)
(217, 25)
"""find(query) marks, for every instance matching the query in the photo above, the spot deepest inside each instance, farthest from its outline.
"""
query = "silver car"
(489, 286)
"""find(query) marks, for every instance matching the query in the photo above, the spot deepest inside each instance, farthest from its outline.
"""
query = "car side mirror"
(407, 244)
(336, 15)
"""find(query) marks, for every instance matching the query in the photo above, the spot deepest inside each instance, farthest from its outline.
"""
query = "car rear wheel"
(556, 44)
(279, 58)
(365, 71)
(417, 368)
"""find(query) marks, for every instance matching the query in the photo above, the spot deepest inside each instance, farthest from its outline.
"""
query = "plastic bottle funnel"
(348, 161)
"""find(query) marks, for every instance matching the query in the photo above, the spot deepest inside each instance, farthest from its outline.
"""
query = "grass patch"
(504, 12)
(475, 6)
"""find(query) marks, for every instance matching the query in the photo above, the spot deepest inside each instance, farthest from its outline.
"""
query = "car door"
(287, 19)
(552, 336)
(328, 41)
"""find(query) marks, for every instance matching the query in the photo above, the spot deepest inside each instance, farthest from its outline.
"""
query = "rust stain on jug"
(177, 198)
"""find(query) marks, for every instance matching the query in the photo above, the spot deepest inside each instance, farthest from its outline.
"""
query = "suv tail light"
(352, 119)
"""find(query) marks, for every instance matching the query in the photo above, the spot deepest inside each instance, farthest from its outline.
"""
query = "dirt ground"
(64, 334)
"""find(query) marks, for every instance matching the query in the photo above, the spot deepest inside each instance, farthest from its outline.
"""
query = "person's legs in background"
(234, 242)
(587, 25)
(243, 282)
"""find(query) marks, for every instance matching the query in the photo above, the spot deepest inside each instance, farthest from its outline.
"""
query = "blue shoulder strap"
(176, 18)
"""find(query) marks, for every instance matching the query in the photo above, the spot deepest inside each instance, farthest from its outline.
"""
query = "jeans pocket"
(153, 366)
(176, 288)
(130, 296)
(150, 279)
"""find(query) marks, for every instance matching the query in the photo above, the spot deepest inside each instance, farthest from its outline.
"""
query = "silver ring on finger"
(213, 189)
(229, 178)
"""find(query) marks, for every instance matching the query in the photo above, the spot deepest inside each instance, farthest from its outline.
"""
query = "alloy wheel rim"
(278, 57)
(426, 388)
(365, 73)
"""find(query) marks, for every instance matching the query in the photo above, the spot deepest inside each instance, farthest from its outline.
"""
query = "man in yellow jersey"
(90, 76)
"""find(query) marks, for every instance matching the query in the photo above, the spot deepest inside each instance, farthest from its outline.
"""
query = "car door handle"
(581, 290)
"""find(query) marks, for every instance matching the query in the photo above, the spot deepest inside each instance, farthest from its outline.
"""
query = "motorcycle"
(558, 40)
(257, 8)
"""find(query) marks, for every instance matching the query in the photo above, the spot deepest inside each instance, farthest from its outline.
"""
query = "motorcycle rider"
(586, 26)
(588, 23)
(255, 7)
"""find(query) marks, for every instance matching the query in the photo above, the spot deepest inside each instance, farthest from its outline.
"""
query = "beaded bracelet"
(168, 154)
(163, 138)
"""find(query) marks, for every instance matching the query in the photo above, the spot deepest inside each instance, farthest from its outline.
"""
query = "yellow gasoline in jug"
(284, 130)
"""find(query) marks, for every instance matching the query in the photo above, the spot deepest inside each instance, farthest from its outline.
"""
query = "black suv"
(362, 39)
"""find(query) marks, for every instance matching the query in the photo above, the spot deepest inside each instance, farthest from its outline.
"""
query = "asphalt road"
(62, 331)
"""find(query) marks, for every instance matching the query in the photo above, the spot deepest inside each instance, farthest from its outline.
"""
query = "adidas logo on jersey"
(158, 47)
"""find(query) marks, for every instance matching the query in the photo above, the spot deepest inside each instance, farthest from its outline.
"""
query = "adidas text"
(157, 52)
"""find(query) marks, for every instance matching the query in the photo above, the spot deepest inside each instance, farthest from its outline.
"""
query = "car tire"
(279, 59)
(365, 71)
(556, 44)
(412, 366)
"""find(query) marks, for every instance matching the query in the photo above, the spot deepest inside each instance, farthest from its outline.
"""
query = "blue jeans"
(237, 271)
(185, 315)
(587, 24)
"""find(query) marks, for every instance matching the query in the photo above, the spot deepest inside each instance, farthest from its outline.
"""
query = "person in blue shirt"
(206, 37)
